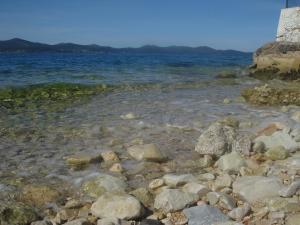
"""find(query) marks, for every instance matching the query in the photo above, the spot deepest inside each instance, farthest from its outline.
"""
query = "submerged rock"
(78, 162)
(204, 215)
(257, 188)
(121, 206)
(102, 183)
(148, 152)
(172, 200)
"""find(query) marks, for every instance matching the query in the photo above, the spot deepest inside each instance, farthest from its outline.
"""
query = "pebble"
(157, 183)
(290, 190)
(240, 212)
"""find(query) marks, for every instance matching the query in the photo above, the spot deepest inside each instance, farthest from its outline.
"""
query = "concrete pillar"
(289, 25)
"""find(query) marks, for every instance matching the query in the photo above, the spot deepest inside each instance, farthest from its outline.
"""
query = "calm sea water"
(93, 68)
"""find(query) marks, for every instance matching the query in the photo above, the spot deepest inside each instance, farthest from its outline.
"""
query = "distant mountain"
(20, 45)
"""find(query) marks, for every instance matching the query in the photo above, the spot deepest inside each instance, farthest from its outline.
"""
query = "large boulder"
(216, 140)
(121, 206)
(172, 200)
(148, 152)
(204, 215)
(257, 188)
(102, 183)
(277, 60)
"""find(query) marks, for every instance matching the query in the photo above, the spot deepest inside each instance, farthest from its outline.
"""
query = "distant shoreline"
(17, 45)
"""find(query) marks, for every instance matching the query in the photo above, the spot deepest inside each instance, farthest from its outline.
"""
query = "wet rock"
(65, 215)
(232, 162)
(78, 162)
(39, 195)
(240, 212)
(116, 168)
(173, 180)
(110, 156)
(259, 147)
(227, 202)
(129, 116)
(226, 75)
(204, 215)
(293, 219)
(226, 101)
(223, 181)
(80, 221)
(148, 152)
(290, 190)
(144, 196)
(102, 183)
(42, 222)
(73, 204)
(157, 183)
(277, 153)
(195, 188)
(257, 188)
(172, 200)
(216, 140)
(121, 206)
(12, 213)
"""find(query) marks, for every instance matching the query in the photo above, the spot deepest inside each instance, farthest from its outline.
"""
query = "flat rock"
(102, 183)
(204, 215)
(172, 200)
(279, 138)
(290, 190)
(173, 180)
(240, 212)
(232, 162)
(277, 153)
(257, 188)
(121, 206)
(195, 188)
(148, 152)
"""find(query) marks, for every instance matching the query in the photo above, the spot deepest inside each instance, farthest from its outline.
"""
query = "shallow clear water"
(34, 142)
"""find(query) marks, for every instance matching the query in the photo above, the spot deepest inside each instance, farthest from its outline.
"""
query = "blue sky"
(223, 24)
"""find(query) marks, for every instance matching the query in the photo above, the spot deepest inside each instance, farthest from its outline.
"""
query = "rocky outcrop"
(277, 60)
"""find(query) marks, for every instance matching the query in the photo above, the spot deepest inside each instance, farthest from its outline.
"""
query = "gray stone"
(121, 206)
(216, 140)
(243, 143)
(279, 138)
(290, 190)
(42, 222)
(257, 188)
(204, 215)
(227, 202)
(259, 147)
(277, 153)
(172, 200)
(109, 221)
(102, 183)
(80, 221)
(232, 162)
(148, 152)
(240, 212)
(223, 181)
(173, 180)
(195, 188)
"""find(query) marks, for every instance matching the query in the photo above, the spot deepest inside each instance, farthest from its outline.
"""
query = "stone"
(213, 197)
(227, 202)
(296, 116)
(121, 206)
(240, 212)
(257, 188)
(150, 222)
(41, 222)
(172, 200)
(231, 163)
(216, 140)
(39, 195)
(293, 219)
(226, 75)
(195, 188)
(204, 215)
(259, 147)
(177, 218)
(109, 221)
(223, 181)
(291, 190)
(80, 221)
(205, 161)
(277, 153)
(12, 213)
(157, 183)
(279, 138)
(128, 116)
(79, 162)
(144, 196)
(226, 101)
(102, 183)
(173, 180)
(116, 168)
(148, 152)
(228, 223)
(110, 156)
(243, 143)
(206, 177)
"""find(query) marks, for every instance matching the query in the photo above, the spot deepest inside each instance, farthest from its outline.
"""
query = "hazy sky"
(222, 24)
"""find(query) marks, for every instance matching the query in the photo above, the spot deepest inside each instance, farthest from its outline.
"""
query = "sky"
(222, 24)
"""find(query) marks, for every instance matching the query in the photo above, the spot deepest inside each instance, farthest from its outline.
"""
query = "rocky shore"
(236, 177)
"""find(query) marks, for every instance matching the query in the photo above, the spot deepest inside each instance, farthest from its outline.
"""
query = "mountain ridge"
(21, 45)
